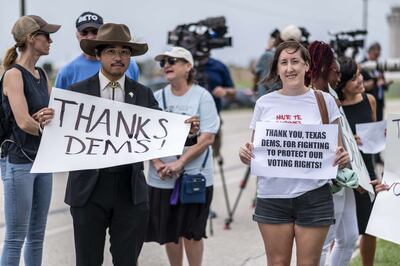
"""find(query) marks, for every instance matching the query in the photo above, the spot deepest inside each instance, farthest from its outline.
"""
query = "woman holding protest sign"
(172, 221)
(25, 100)
(359, 107)
(324, 71)
(289, 209)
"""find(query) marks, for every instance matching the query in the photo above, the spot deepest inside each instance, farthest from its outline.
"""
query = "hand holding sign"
(44, 116)
(379, 186)
(246, 153)
(194, 122)
(342, 157)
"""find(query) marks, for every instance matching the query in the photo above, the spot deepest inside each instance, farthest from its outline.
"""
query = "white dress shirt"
(106, 90)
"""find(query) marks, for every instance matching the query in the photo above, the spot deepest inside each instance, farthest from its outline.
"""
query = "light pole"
(365, 15)
(22, 9)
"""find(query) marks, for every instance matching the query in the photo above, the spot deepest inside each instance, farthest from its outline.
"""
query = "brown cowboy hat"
(113, 34)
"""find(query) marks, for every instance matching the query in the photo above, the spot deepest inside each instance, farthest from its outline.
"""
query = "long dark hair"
(291, 45)
(348, 70)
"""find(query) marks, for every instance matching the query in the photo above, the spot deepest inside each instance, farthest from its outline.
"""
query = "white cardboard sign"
(385, 217)
(350, 144)
(372, 136)
(356, 160)
(90, 132)
(294, 150)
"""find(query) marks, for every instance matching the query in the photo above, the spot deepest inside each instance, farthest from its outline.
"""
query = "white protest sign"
(356, 160)
(385, 217)
(90, 132)
(294, 150)
(350, 144)
(372, 136)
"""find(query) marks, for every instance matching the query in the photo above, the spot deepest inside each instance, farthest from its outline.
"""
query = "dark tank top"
(37, 96)
(358, 113)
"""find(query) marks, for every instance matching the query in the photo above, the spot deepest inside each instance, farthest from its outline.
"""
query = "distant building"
(394, 32)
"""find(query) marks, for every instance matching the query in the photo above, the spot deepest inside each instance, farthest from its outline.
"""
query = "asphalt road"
(241, 245)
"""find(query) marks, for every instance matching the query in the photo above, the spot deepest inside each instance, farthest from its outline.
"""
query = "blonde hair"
(12, 55)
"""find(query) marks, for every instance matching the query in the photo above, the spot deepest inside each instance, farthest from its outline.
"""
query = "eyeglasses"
(170, 60)
(41, 33)
(112, 52)
(86, 32)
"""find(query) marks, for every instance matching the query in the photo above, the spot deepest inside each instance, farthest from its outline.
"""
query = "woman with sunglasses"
(359, 107)
(25, 97)
(172, 223)
(289, 209)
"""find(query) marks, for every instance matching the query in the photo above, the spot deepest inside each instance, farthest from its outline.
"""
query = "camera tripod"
(213, 214)
(242, 186)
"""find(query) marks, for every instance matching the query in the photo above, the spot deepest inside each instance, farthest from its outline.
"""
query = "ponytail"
(12, 55)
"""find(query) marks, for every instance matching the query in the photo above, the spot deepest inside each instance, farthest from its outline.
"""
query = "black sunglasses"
(45, 34)
(86, 32)
(170, 60)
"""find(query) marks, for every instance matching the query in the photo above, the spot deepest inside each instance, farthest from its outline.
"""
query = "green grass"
(243, 84)
(394, 91)
(387, 254)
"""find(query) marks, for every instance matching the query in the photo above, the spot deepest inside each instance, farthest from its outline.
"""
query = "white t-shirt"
(196, 101)
(300, 109)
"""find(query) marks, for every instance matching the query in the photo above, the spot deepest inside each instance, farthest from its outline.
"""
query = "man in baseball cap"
(86, 65)
(88, 21)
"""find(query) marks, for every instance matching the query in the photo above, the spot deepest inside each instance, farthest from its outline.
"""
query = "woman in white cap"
(172, 222)
(25, 97)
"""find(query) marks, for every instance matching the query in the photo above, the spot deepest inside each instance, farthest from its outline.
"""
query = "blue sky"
(249, 22)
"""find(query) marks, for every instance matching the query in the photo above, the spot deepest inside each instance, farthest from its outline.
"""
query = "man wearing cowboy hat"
(116, 197)
(85, 65)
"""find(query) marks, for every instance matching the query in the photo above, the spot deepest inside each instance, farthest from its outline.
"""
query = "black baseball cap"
(88, 20)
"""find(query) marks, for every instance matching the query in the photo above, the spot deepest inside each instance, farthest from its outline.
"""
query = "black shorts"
(313, 208)
(167, 223)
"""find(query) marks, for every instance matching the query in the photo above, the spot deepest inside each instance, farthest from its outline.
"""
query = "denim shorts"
(313, 208)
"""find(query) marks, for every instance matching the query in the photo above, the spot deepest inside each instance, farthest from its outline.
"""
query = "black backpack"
(5, 122)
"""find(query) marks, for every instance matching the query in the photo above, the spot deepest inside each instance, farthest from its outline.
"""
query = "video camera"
(200, 37)
(348, 39)
(390, 65)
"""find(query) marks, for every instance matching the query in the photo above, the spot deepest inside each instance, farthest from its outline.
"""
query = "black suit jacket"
(81, 183)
